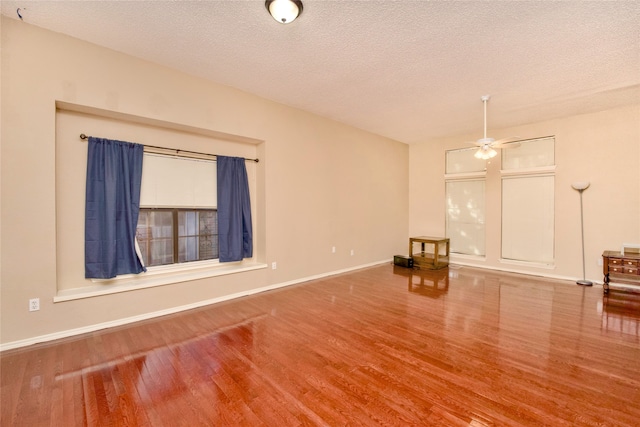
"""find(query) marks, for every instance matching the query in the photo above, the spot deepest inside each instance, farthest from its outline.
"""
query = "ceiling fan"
(487, 146)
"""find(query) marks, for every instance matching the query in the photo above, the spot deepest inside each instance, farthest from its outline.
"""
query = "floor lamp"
(580, 187)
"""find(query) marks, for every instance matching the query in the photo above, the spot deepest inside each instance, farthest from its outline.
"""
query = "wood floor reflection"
(380, 346)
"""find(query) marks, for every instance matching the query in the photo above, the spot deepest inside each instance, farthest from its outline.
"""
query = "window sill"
(155, 276)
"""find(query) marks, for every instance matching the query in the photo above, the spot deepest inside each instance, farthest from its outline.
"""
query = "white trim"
(455, 255)
(545, 265)
(119, 322)
(157, 277)
(525, 272)
(543, 170)
(467, 175)
(166, 269)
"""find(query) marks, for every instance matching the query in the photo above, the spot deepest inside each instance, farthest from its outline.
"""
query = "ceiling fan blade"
(482, 142)
(508, 145)
(506, 142)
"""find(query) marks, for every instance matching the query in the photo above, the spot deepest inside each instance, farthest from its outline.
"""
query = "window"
(178, 219)
(465, 202)
(526, 187)
(168, 236)
(528, 201)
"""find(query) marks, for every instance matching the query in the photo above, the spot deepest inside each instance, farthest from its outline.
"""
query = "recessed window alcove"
(71, 162)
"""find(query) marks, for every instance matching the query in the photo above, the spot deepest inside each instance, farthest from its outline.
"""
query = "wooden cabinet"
(620, 268)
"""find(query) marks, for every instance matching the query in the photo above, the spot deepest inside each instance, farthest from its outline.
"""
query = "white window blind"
(465, 222)
(178, 182)
(527, 219)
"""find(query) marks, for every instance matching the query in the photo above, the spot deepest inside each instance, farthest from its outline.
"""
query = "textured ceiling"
(408, 70)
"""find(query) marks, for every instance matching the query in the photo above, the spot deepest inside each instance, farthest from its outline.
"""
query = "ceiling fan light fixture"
(485, 153)
(284, 11)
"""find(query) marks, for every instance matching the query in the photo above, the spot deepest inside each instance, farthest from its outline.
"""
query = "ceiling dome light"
(284, 11)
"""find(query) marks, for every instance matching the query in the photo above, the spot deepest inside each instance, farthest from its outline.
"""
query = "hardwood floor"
(380, 346)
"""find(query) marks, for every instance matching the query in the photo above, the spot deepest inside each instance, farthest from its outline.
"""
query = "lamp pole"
(580, 187)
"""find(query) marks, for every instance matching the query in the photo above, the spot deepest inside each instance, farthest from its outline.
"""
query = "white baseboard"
(127, 320)
(518, 271)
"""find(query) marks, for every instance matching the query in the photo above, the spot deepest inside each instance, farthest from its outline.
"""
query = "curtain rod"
(177, 151)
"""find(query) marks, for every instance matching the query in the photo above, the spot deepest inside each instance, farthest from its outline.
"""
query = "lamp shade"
(284, 11)
(580, 185)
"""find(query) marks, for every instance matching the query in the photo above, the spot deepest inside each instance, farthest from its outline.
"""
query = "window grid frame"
(175, 234)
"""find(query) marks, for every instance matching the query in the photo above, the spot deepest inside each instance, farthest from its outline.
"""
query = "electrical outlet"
(352, 252)
(274, 265)
(34, 304)
(333, 249)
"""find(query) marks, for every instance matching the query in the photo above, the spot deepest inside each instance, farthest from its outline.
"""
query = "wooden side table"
(429, 261)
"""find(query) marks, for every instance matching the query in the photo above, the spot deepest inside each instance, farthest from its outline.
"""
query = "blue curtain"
(114, 175)
(235, 234)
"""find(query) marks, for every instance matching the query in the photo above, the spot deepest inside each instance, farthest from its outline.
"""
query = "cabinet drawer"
(630, 270)
(615, 268)
(615, 261)
(630, 262)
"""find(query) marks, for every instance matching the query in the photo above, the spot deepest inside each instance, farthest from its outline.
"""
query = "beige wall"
(319, 183)
(603, 148)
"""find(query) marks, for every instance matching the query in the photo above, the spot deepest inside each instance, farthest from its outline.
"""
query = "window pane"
(529, 154)
(192, 223)
(465, 216)
(198, 235)
(143, 234)
(161, 224)
(188, 249)
(161, 252)
(462, 161)
(143, 230)
(187, 221)
(208, 225)
(188, 236)
(155, 236)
